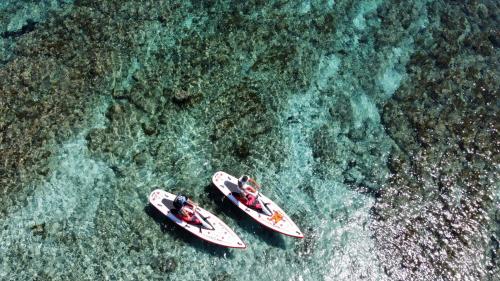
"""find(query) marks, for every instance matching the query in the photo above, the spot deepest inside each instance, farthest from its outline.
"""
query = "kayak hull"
(212, 230)
(278, 221)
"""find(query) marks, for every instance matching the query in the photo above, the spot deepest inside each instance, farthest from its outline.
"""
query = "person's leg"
(195, 220)
(253, 202)
(191, 219)
(186, 218)
(250, 199)
(241, 198)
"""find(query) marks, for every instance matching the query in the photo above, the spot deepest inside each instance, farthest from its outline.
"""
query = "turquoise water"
(349, 114)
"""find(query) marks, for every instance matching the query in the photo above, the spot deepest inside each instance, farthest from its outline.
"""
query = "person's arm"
(194, 206)
(250, 188)
(257, 186)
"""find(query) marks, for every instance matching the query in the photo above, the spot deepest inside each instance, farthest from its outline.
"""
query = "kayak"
(211, 229)
(270, 216)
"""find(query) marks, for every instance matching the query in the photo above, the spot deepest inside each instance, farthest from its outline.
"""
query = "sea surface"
(372, 123)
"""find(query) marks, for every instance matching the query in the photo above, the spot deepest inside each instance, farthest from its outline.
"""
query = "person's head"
(242, 180)
(180, 200)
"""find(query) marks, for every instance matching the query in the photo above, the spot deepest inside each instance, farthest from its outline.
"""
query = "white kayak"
(271, 215)
(212, 229)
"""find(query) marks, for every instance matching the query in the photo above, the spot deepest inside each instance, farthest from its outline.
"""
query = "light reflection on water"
(312, 131)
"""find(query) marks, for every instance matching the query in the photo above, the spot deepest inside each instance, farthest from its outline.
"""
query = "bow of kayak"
(272, 217)
(212, 229)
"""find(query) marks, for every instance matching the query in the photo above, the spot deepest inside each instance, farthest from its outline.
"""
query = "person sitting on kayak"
(186, 209)
(247, 192)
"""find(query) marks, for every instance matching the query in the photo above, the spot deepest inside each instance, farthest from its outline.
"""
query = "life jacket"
(250, 201)
(189, 217)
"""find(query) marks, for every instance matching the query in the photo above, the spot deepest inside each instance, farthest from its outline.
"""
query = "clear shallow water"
(292, 94)
(86, 221)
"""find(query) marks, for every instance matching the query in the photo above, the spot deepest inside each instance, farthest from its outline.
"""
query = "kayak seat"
(165, 202)
(232, 186)
(168, 203)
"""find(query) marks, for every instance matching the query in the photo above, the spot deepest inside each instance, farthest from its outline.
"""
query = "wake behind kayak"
(210, 228)
(270, 216)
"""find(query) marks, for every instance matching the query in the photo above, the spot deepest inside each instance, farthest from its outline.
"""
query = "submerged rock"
(141, 158)
(222, 277)
(114, 111)
(440, 192)
(242, 150)
(342, 112)
(182, 97)
(39, 230)
(149, 128)
(167, 265)
(306, 247)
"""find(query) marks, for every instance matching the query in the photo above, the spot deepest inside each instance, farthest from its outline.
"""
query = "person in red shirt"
(186, 209)
(248, 187)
